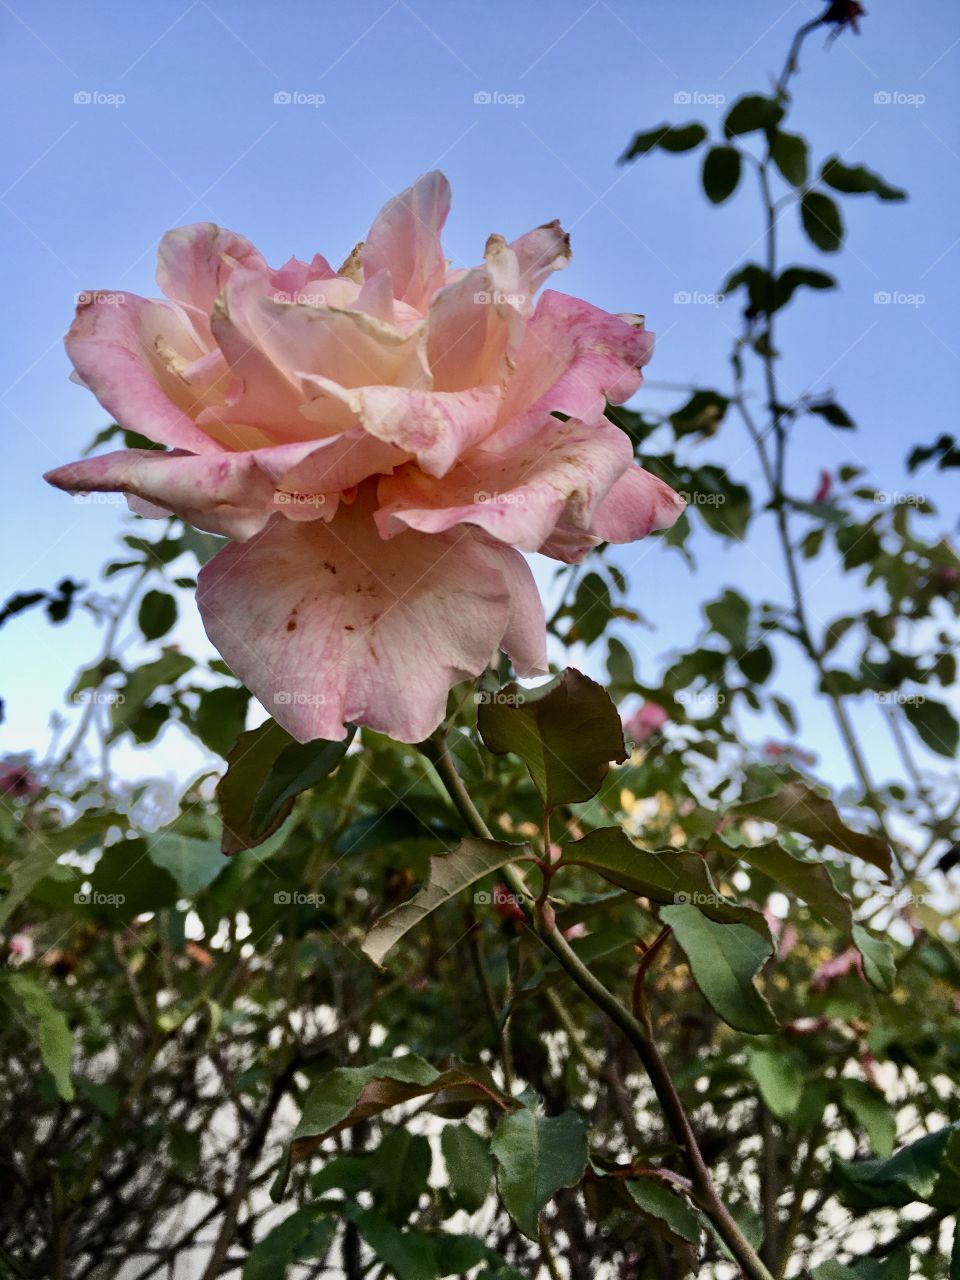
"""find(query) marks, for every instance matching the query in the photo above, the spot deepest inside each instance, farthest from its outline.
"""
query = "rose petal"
(436, 427)
(405, 240)
(573, 358)
(539, 252)
(327, 624)
(517, 496)
(636, 505)
(127, 351)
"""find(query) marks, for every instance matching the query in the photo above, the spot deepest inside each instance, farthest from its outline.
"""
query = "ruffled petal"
(518, 496)
(195, 262)
(129, 352)
(327, 624)
(474, 325)
(405, 240)
(435, 427)
(573, 358)
(539, 252)
(233, 494)
(637, 504)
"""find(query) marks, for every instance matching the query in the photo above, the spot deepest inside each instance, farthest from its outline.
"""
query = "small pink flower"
(648, 720)
(18, 779)
(837, 967)
(381, 443)
(21, 948)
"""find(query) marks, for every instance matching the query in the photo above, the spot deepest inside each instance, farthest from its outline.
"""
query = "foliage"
(447, 1002)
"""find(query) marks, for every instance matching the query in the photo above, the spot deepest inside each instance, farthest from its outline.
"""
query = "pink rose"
(645, 722)
(380, 443)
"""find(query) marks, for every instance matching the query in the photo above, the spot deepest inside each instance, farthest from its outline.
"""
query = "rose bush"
(380, 443)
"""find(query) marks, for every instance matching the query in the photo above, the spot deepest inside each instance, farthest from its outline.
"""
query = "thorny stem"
(542, 925)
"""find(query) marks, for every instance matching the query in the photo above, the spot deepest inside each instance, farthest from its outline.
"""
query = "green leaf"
(833, 414)
(193, 863)
(666, 876)
(401, 1167)
(657, 1200)
(721, 173)
(857, 179)
(807, 880)
(724, 958)
(56, 1039)
(565, 732)
(157, 614)
(592, 609)
(297, 768)
(752, 112)
(248, 764)
(450, 874)
(872, 1112)
(927, 1170)
(126, 883)
(789, 153)
(536, 1156)
(794, 278)
(303, 1237)
(780, 1079)
(879, 968)
(702, 413)
(128, 710)
(756, 663)
(797, 807)
(348, 1095)
(220, 717)
(678, 137)
(935, 725)
(822, 221)
(730, 617)
(469, 1166)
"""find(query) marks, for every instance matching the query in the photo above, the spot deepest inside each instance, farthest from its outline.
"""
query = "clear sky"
(182, 124)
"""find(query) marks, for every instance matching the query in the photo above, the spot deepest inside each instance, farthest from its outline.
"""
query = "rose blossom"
(646, 721)
(380, 444)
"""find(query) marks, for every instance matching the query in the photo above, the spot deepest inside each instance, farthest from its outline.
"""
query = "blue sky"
(183, 126)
